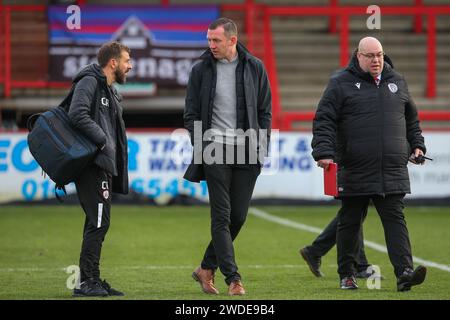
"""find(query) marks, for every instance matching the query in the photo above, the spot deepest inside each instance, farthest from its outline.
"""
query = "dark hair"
(228, 26)
(109, 51)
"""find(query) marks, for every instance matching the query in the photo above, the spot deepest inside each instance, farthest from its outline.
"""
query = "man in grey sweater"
(228, 94)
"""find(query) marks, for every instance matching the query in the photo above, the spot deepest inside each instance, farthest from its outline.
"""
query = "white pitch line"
(300, 226)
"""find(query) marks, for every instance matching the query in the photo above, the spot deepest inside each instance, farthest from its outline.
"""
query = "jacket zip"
(380, 97)
(212, 92)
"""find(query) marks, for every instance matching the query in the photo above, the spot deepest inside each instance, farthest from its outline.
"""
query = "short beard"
(120, 76)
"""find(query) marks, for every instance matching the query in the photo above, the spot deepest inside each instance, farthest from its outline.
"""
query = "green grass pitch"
(150, 252)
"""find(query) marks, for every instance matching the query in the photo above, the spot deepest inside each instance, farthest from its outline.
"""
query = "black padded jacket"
(369, 130)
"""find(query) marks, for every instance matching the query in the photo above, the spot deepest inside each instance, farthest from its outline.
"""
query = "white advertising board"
(155, 171)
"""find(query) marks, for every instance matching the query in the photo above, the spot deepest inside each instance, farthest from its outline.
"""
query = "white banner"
(156, 169)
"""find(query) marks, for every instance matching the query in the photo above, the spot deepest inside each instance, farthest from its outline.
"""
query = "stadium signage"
(157, 162)
(165, 41)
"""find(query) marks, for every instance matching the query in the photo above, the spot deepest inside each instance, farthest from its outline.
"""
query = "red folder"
(330, 180)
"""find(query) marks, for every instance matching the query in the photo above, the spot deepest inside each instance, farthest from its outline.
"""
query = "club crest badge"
(106, 194)
(393, 87)
(358, 85)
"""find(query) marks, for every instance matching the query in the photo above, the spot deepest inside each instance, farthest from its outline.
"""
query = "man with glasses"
(367, 122)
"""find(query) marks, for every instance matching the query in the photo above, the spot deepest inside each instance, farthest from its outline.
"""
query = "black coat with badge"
(369, 130)
(95, 110)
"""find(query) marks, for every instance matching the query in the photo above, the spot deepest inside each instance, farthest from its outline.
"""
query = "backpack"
(61, 150)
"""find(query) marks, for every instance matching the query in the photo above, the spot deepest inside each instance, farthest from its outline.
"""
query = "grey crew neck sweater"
(224, 117)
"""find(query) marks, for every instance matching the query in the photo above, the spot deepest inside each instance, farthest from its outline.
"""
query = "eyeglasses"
(371, 56)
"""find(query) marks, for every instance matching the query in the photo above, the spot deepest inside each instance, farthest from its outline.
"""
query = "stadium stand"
(306, 50)
(298, 39)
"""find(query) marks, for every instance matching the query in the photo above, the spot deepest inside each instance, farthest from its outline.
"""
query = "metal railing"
(282, 119)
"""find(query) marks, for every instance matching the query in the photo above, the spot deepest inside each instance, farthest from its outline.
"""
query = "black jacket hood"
(93, 70)
(354, 67)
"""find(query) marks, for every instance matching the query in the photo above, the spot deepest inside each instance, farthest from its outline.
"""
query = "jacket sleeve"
(192, 103)
(325, 123)
(264, 103)
(413, 131)
(80, 111)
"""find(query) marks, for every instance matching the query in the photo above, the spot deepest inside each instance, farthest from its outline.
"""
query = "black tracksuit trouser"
(350, 217)
(94, 193)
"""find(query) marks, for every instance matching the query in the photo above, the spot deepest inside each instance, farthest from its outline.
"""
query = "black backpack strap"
(94, 109)
(68, 99)
(66, 102)
(31, 120)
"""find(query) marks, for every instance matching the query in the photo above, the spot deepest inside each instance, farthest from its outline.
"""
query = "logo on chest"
(105, 102)
(392, 87)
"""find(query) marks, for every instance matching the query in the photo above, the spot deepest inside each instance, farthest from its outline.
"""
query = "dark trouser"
(230, 189)
(93, 189)
(327, 239)
(390, 209)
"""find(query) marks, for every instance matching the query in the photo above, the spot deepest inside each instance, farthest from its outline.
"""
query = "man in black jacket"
(228, 93)
(367, 122)
(96, 111)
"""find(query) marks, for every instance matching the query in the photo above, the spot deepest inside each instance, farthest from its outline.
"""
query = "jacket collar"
(93, 70)
(243, 53)
(116, 93)
(354, 68)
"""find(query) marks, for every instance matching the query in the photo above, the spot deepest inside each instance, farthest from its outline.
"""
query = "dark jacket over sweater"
(369, 130)
(253, 96)
(96, 111)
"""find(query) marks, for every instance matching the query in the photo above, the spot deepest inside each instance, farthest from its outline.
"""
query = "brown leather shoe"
(206, 279)
(236, 288)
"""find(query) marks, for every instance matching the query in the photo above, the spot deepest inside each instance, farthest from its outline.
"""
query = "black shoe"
(312, 261)
(90, 288)
(411, 278)
(365, 274)
(111, 291)
(349, 283)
